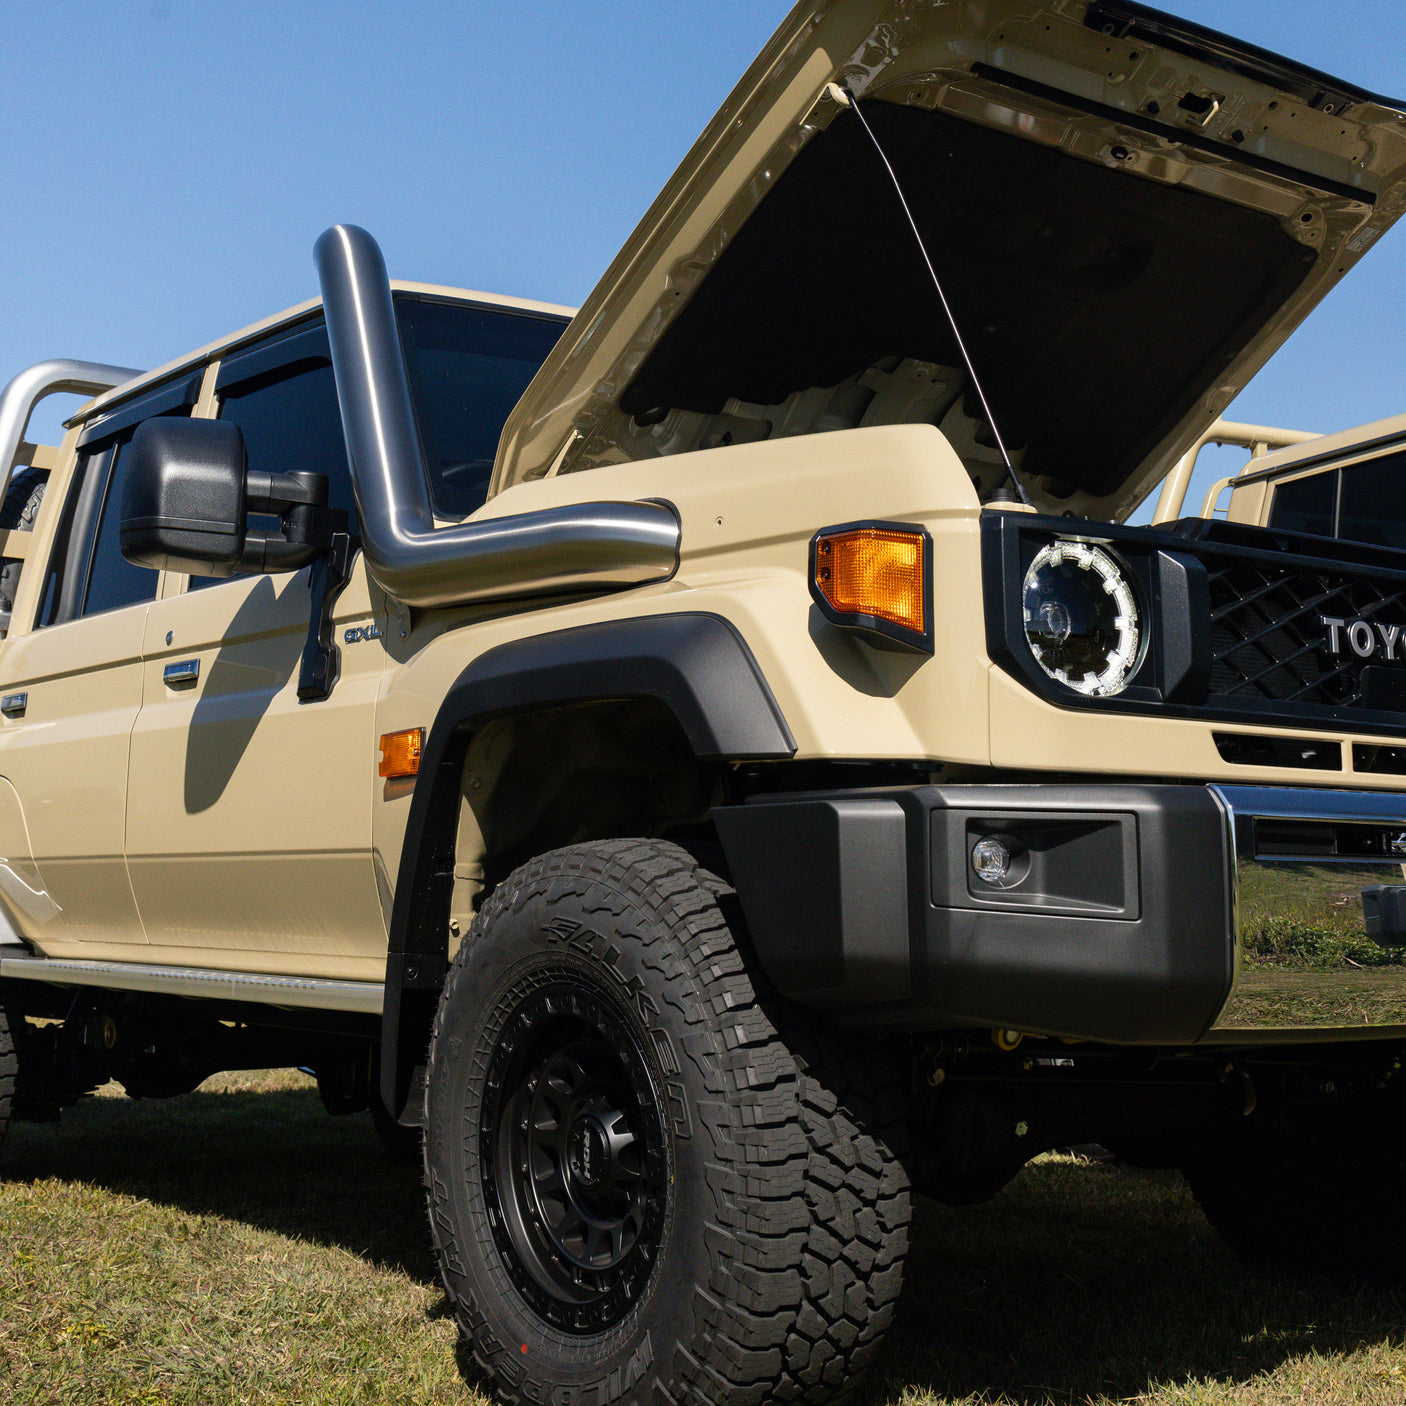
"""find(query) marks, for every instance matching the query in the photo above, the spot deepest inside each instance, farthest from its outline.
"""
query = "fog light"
(991, 858)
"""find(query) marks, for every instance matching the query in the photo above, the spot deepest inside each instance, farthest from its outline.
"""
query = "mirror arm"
(276, 493)
(272, 551)
(306, 528)
(321, 662)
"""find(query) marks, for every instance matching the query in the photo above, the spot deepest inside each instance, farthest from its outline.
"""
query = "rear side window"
(1306, 505)
(1357, 503)
(87, 573)
(63, 566)
(467, 367)
(1372, 502)
(113, 581)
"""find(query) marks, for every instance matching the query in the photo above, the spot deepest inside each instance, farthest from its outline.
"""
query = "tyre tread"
(811, 1197)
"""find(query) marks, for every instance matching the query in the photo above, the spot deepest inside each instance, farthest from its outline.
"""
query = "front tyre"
(643, 1169)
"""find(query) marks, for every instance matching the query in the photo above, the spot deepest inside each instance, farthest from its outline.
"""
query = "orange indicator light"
(400, 752)
(876, 571)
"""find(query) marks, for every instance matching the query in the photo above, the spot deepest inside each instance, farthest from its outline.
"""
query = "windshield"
(468, 367)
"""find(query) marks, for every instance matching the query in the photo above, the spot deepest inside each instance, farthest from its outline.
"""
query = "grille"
(1267, 639)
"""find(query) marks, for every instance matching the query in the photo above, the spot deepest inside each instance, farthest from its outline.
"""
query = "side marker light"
(877, 578)
(400, 752)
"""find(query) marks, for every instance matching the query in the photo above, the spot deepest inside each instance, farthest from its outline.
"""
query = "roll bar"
(1258, 439)
(45, 378)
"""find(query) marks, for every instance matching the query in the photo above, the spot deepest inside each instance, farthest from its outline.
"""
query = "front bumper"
(1164, 915)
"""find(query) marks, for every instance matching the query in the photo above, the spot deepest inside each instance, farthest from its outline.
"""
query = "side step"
(317, 993)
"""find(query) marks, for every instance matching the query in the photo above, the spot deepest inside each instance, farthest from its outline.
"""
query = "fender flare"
(696, 664)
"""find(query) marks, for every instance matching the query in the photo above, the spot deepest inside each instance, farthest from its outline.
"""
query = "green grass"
(238, 1245)
(1308, 917)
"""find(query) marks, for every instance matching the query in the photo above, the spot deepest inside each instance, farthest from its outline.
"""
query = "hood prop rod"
(847, 99)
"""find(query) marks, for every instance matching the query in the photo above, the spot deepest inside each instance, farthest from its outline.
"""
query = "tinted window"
(1359, 503)
(291, 422)
(468, 367)
(112, 580)
(87, 572)
(1372, 507)
(1305, 505)
(65, 561)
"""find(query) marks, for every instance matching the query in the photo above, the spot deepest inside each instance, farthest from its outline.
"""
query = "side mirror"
(187, 497)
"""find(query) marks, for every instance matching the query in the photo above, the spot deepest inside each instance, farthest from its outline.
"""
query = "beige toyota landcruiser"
(721, 763)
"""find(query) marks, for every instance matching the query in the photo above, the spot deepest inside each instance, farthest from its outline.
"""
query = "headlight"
(1081, 618)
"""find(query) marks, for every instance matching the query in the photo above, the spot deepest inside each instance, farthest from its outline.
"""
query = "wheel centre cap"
(588, 1152)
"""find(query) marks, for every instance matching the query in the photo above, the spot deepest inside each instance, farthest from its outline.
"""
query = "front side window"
(292, 423)
(467, 367)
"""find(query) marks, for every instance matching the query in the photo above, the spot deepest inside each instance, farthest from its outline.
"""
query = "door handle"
(186, 671)
(13, 704)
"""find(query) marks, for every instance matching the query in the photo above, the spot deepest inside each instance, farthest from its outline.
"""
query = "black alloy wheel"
(574, 1158)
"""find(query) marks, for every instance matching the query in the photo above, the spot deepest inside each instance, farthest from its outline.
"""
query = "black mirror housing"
(183, 504)
(188, 494)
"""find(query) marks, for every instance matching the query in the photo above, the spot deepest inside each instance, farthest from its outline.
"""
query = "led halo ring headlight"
(1082, 621)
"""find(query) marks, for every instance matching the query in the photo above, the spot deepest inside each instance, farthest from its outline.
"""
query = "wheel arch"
(694, 666)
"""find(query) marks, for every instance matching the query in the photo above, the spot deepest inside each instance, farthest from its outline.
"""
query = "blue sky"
(169, 163)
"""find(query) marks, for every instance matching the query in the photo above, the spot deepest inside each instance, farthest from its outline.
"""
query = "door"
(249, 814)
(73, 692)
